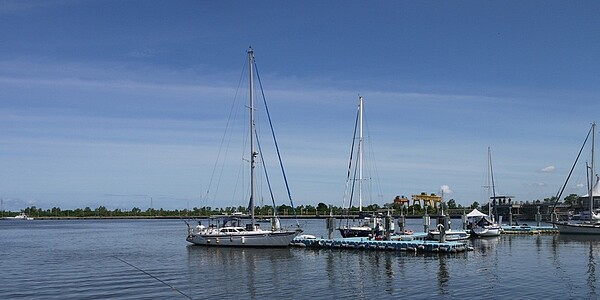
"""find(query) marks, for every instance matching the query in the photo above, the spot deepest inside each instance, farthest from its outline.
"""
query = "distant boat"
(230, 230)
(21, 216)
(371, 225)
(591, 226)
(481, 224)
(450, 235)
(485, 225)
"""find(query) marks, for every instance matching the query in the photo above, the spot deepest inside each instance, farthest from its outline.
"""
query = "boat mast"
(592, 175)
(253, 153)
(360, 152)
(491, 186)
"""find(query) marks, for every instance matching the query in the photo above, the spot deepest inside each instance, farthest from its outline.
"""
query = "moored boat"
(232, 231)
(450, 235)
(591, 226)
(21, 216)
(371, 225)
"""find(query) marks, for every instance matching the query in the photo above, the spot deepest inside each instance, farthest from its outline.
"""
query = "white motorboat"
(21, 216)
(450, 235)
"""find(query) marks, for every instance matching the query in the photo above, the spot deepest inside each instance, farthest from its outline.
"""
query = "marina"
(145, 156)
(78, 254)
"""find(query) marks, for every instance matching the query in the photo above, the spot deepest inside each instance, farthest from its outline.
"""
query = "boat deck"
(414, 243)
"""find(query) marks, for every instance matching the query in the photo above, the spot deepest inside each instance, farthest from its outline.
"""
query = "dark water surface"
(150, 259)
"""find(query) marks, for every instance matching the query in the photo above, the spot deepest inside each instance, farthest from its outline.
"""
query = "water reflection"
(589, 242)
(252, 272)
(385, 273)
(486, 244)
(443, 275)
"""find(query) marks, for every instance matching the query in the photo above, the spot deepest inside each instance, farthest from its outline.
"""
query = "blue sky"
(115, 103)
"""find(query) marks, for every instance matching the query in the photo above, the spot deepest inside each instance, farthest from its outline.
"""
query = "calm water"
(137, 259)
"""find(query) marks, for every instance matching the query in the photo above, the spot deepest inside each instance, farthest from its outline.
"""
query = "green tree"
(322, 208)
(136, 211)
(572, 199)
(452, 204)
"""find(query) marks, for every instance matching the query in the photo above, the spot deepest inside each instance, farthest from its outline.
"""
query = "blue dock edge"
(396, 244)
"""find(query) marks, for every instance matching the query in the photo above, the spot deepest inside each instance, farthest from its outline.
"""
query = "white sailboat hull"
(262, 238)
(486, 231)
(570, 228)
(451, 235)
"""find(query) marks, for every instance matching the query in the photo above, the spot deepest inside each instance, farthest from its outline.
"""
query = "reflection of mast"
(591, 279)
(592, 181)
(443, 276)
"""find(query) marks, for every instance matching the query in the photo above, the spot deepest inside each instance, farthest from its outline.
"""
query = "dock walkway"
(397, 243)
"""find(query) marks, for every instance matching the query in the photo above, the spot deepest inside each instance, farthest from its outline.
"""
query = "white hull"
(486, 231)
(451, 235)
(260, 238)
(566, 228)
(21, 216)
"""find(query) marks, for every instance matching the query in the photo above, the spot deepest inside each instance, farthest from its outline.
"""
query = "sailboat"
(230, 231)
(485, 225)
(370, 225)
(590, 226)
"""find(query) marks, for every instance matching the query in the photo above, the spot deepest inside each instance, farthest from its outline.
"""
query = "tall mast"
(592, 175)
(253, 153)
(360, 152)
(495, 210)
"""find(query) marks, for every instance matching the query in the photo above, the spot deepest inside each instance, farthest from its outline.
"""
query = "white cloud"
(548, 169)
(445, 189)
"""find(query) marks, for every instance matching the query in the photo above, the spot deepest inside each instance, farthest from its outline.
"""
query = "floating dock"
(397, 243)
(526, 229)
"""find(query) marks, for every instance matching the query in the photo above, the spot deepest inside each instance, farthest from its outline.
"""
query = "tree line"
(320, 209)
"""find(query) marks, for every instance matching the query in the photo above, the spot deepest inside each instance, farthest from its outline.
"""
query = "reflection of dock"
(415, 243)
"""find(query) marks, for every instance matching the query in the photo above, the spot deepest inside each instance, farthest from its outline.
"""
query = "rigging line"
(232, 113)
(571, 172)
(276, 145)
(372, 156)
(152, 276)
(352, 188)
(266, 175)
(350, 167)
(495, 209)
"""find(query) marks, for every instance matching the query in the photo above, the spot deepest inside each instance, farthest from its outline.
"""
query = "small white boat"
(451, 235)
(487, 231)
(483, 225)
(21, 216)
